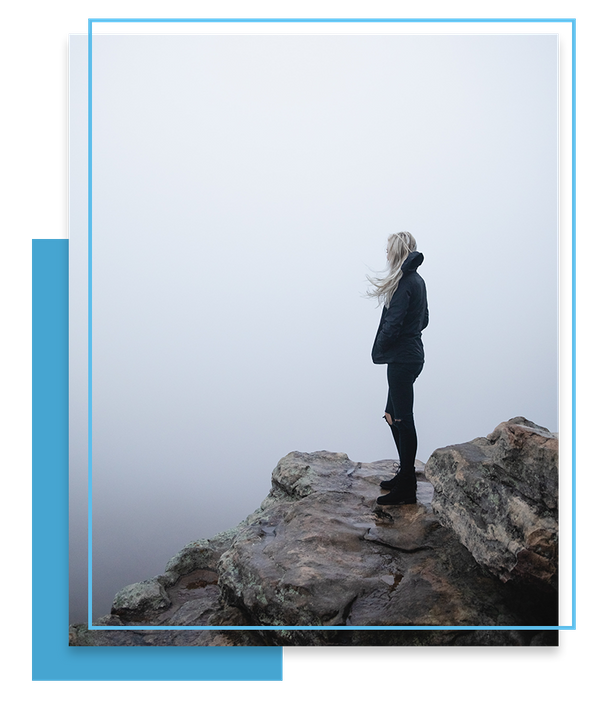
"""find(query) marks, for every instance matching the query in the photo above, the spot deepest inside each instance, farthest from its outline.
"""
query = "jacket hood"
(414, 260)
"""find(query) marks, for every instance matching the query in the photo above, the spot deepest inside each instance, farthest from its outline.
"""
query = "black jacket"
(398, 337)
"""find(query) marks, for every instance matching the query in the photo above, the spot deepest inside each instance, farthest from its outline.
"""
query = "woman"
(398, 344)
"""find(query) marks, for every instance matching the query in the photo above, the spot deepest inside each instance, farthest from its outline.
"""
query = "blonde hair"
(400, 245)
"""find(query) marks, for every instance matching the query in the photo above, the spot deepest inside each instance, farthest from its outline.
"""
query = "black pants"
(401, 377)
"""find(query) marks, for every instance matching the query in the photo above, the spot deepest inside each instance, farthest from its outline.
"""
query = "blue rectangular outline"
(572, 21)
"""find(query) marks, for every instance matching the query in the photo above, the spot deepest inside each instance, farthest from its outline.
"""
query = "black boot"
(397, 496)
(390, 484)
(404, 491)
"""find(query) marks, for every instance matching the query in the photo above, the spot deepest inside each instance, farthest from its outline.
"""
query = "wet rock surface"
(320, 552)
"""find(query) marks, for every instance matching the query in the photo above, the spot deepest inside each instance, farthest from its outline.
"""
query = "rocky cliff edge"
(478, 549)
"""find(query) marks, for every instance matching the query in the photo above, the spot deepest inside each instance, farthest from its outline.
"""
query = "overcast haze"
(243, 187)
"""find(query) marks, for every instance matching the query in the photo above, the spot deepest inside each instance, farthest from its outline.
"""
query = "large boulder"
(499, 494)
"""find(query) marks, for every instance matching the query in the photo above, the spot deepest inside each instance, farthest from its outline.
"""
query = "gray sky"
(243, 188)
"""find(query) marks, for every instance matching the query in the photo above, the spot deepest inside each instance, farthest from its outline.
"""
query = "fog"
(243, 188)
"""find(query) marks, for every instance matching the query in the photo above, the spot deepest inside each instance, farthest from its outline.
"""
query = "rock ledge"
(320, 552)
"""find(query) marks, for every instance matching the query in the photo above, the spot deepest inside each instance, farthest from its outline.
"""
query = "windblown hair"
(400, 245)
